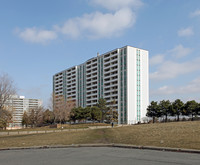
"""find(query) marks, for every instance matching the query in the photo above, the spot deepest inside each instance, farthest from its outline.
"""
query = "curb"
(107, 145)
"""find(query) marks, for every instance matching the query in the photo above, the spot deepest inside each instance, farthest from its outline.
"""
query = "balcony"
(111, 70)
(107, 61)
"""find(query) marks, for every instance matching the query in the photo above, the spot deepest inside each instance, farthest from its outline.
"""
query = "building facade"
(120, 76)
(18, 105)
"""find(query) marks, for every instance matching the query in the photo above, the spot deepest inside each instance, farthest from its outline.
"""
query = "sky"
(40, 38)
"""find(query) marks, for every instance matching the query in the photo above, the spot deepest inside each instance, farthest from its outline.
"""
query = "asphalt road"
(96, 156)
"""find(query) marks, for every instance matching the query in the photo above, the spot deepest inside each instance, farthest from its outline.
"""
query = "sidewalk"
(51, 131)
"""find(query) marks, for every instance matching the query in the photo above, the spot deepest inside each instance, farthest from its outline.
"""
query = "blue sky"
(40, 38)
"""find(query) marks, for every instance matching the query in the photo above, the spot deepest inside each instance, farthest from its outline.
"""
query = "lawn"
(174, 134)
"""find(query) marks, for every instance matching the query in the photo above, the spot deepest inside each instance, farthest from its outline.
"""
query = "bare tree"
(33, 117)
(5, 117)
(112, 114)
(62, 109)
(69, 105)
(58, 109)
(39, 111)
(7, 89)
(25, 119)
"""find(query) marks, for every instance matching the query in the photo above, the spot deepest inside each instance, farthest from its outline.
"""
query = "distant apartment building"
(120, 76)
(18, 105)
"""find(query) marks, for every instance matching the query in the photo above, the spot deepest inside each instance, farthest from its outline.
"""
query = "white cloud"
(164, 90)
(118, 4)
(195, 13)
(102, 25)
(98, 25)
(179, 51)
(35, 35)
(192, 87)
(168, 69)
(171, 69)
(185, 32)
(121, 16)
(158, 59)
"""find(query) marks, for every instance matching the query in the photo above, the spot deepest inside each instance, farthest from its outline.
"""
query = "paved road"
(96, 156)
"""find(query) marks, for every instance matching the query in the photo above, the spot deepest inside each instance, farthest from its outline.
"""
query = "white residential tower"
(120, 76)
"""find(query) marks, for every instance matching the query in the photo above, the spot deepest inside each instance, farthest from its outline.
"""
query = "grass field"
(174, 134)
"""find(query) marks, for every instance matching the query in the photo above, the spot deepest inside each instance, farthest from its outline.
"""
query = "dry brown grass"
(61, 138)
(176, 135)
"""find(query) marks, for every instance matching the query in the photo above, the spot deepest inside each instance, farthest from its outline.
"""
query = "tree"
(7, 89)
(115, 116)
(48, 117)
(165, 108)
(153, 110)
(38, 116)
(70, 104)
(6, 117)
(177, 107)
(104, 109)
(112, 114)
(59, 110)
(198, 110)
(31, 117)
(85, 113)
(25, 119)
(79, 113)
(191, 108)
(62, 109)
(95, 113)
(75, 114)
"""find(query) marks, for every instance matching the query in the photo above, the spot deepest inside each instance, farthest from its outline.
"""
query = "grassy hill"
(174, 134)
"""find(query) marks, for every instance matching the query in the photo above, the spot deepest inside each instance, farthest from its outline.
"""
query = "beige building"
(18, 105)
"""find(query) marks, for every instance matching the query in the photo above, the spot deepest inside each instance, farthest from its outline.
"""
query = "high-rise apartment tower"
(120, 76)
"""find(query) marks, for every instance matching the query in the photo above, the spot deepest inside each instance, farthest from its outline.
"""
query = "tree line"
(37, 117)
(99, 113)
(165, 109)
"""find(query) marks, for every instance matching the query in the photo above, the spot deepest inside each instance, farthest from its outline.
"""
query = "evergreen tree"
(191, 108)
(165, 108)
(153, 110)
(104, 109)
(177, 107)
(95, 113)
